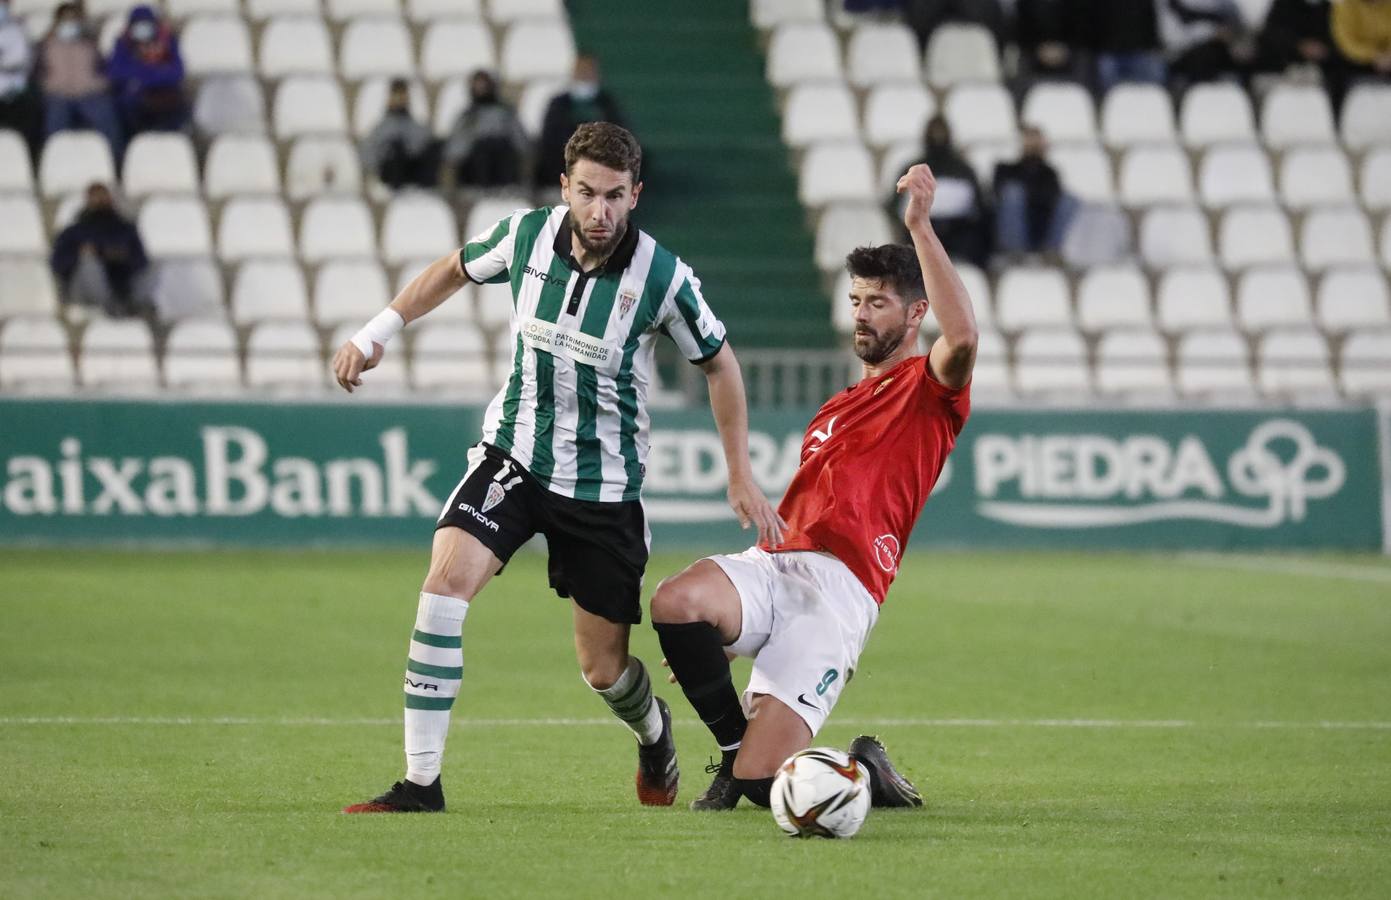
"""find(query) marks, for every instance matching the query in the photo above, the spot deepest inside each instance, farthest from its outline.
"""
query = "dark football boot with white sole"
(888, 788)
(724, 792)
(658, 775)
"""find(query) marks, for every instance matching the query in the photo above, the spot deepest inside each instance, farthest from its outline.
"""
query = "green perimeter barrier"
(354, 473)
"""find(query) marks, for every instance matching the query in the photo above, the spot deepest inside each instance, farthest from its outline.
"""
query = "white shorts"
(806, 621)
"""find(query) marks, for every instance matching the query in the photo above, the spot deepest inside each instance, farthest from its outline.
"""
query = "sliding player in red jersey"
(803, 609)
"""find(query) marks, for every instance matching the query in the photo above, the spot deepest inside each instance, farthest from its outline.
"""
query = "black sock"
(695, 653)
(757, 790)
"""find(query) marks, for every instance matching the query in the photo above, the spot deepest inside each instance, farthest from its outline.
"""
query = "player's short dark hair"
(607, 144)
(893, 265)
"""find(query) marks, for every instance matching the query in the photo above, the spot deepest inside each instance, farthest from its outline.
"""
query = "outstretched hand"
(752, 507)
(920, 185)
(349, 364)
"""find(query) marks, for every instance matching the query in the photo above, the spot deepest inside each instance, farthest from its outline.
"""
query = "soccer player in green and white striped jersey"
(564, 445)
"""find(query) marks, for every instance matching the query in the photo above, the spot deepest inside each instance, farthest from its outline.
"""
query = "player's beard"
(874, 347)
(605, 249)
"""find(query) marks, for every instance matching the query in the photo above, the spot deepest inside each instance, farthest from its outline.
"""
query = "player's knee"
(677, 600)
(602, 674)
(448, 584)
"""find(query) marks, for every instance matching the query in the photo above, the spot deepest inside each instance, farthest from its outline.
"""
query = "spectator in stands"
(485, 147)
(400, 151)
(1032, 213)
(1297, 32)
(74, 87)
(147, 74)
(586, 100)
(1050, 38)
(1125, 37)
(19, 104)
(1362, 32)
(924, 16)
(959, 212)
(1204, 41)
(100, 261)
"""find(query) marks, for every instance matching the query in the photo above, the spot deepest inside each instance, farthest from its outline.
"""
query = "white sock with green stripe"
(630, 698)
(433, 673)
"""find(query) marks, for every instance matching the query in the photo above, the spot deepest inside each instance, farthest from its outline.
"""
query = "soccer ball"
(820, 792)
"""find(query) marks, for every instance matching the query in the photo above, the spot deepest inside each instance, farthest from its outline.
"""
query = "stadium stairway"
(718, 188)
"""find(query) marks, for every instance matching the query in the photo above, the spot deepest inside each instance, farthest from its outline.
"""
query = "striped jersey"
(574, 409)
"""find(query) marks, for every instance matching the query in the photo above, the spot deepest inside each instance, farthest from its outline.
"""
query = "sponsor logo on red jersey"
(886, 549)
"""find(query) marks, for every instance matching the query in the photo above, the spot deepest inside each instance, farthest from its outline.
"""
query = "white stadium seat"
(980, 112)
(16, 171)
(318, 165)
(285, 356)
(507, 11)
(415, 225)
(1113, 297)
(1174, 235)
(118, 354)
(216, 45)
(159, 162)
(1085, 171)
(537, 49)
(1062, 111)
(202, 353)
(189, 289)
(26, 287)
(1315, 176)
(818, 112)
(1051, 361)
(21, 226)
(1137, 114)
(990, 378)
(1353, 298)
(241, 164)
(766, 14)
(265, 9)
(882, 52)
(309, 104)
(978, 288)
(1133, 362)
(1273, 297)
(1294, 361)
(1032, 297)
(1255, 235)
(1215, 364)
(450, 356)
(460, 305)
(74, 159)
(230, 105)
(295, 45)
(985, 156)
(1155, 174)
(344, 10)
(531, 108)
(488, 211)
(1375, 180)
(349, 290)
(1191, 298)
(175, 226)
(269, 289)
(370, 104)
(494, 305)
(1386, 243)
(388, 376)
(1099, 235)
(897, 112)
(836, 172)
(1367, 116)
(430, 10)
(254, 226)
(803, 51)
(34, 354)
(894, 161)
(1335, 237)
(1235, 173)
(1297, 114)
(184, 9)
(1365, 363)
(336, 227)
(959, 52)
(1216, 113)
(456, 48)
(376, 47)
(844, 227)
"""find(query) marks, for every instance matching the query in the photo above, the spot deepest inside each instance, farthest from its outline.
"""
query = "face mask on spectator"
(584, 90)
(143, 31)
(69, 30)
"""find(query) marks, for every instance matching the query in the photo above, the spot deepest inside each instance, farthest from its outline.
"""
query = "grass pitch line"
(311, 721)
(1275, 565)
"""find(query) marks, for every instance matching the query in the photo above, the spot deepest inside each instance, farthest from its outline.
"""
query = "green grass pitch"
(189, 724)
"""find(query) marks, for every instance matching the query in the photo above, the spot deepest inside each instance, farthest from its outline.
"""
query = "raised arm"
(440, 280)
(953, 355)
(731, 411)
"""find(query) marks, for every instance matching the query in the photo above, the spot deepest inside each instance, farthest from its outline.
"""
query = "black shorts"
(598, 551)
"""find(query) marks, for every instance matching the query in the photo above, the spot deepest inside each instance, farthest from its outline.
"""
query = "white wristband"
(379, 330)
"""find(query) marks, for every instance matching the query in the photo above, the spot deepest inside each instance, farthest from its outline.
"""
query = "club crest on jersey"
(886, 549)
(626, 299)
(883, 384)
(495, 494)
